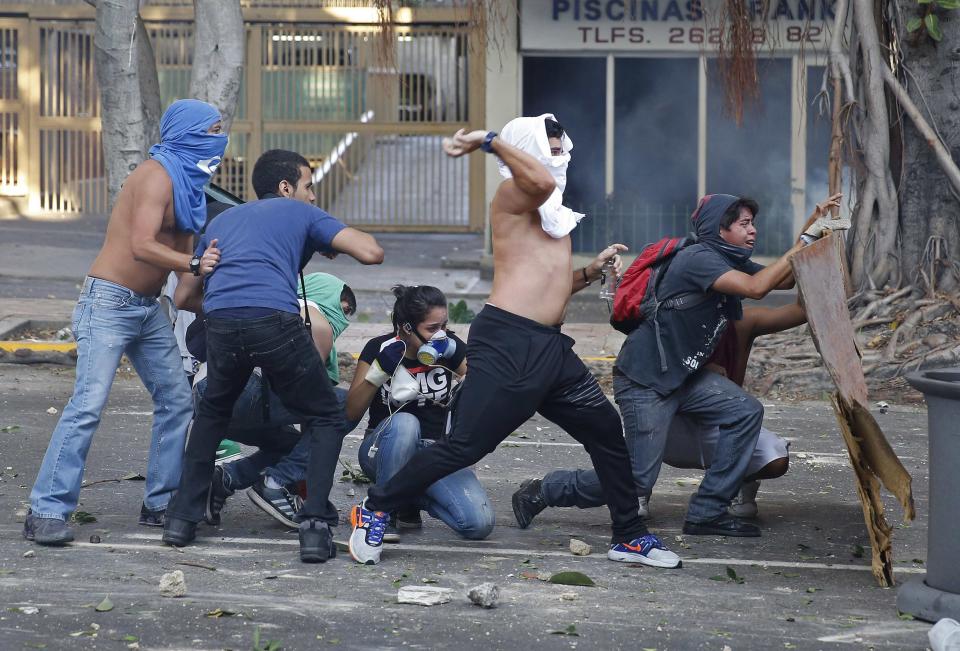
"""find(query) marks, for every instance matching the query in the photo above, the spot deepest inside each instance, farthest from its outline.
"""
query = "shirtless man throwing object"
(520, 363)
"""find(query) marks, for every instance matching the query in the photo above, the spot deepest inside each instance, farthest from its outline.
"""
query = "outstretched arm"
(361, 246)
(531, 184)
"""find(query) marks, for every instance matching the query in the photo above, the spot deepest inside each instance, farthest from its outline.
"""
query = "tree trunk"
(929, 209)
(129, 90)
(219, 41)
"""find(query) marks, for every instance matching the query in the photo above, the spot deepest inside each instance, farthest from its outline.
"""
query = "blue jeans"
(712, 401)
(108, 321)
(282, 453)
(458, 499)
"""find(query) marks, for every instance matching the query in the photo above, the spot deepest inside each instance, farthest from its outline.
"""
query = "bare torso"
(116, 261)
(532, 272)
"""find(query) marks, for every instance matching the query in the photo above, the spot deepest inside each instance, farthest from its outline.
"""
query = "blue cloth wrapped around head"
(191, 156)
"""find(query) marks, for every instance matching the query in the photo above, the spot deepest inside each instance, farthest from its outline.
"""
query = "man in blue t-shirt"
(253, 320)
(660, 372)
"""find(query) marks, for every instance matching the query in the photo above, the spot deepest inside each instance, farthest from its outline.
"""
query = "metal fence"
(371, 132)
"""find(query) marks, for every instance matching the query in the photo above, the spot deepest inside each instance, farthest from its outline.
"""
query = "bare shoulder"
(153, 175)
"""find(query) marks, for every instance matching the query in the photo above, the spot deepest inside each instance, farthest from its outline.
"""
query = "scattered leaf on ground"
(9, 428)
(572, 578)
(133, 476)
(220, 612)
(82, 517)
(104, 606)
(569, 630)
(812, 590)
(857, 551)
(906, 616)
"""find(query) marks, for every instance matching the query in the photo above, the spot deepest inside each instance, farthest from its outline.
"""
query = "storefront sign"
(668, 25)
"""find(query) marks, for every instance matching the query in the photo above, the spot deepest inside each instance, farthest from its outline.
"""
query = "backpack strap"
(686, 301)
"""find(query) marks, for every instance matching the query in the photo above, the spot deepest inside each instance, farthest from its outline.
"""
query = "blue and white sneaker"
(647, 550)
(366, 540)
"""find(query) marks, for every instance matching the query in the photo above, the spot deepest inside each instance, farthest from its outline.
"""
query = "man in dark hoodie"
(710, 277)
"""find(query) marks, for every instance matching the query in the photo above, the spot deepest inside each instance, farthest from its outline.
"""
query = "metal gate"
(371, 133)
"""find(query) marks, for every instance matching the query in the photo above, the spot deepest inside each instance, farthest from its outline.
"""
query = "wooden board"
(821, 276)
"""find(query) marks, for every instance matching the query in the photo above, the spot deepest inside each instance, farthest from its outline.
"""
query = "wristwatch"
(487, 144)
(195, 265)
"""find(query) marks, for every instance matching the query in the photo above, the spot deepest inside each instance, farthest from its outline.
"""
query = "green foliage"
(928, 20)
(459, 312)
(268, 645)
(933, 27)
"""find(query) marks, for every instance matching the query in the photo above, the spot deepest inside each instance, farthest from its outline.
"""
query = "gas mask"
(440, 346)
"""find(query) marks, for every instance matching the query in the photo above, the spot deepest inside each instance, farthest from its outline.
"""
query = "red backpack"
(635, 299)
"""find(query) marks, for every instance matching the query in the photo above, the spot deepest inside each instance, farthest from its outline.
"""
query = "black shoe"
(391, 534)
(316, 541)
(279, 503)
(150, 518)
(217, 496)
(722, 525)
(409, 518)
(46, 531)
(528, 502)
(179, 533)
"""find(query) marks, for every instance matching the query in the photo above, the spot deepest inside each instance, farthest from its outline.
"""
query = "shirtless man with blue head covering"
(150, 234)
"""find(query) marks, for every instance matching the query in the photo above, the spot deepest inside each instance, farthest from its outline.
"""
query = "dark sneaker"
(528, 502)
(409, 519)
(46, 531)
(178, 533)
(647, 550)
(391, 534)
(150, 518)
(722, 525)
(217, 496)
(316, 541)
(279, 503)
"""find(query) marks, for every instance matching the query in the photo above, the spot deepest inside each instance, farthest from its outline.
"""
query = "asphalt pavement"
(805, 584)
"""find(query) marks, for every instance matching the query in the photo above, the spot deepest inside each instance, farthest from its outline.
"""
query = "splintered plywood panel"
(821, 277)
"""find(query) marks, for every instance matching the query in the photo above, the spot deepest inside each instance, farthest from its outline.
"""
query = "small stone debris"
(53, 411)
(568, 596)
(579, 548)
(485, 595)
(29, 553)
(95, 539)
(351, 492)
(28, 610)
(424, 595)
(883, 407)
(173, 584)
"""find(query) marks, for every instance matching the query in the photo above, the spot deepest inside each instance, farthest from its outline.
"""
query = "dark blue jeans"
(282, 453)
(281, 346)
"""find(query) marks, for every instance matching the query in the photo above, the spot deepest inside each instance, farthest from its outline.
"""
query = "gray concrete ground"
(806, 582)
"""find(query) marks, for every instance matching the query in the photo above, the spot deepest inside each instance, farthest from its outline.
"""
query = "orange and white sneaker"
(366, 540)
(647, 550)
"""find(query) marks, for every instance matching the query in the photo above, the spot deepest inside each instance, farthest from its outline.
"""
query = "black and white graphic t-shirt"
(435, 385)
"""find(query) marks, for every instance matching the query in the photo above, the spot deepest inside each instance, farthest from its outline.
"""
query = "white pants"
(690, 445)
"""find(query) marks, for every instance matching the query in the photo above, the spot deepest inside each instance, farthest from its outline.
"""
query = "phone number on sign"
(696, 35)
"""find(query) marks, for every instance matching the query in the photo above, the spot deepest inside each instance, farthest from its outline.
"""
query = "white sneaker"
(744, 505)
(366, 540)
(647, 550)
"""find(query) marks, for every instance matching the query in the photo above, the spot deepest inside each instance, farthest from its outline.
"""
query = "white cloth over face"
(530, 136)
